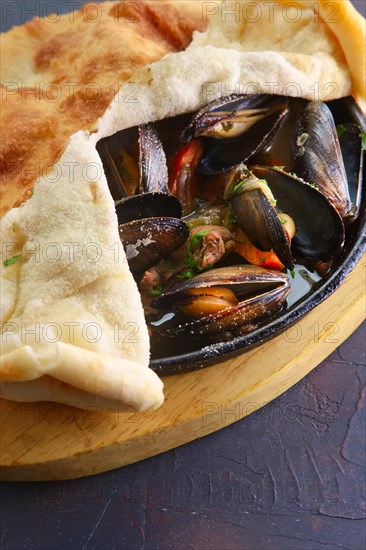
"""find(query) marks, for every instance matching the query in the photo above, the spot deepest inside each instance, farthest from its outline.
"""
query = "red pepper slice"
(183, 180)
(253, 255)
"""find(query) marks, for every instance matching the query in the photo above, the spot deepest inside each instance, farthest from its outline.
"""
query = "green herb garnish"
(292, 273)
(314, 185)
(156, 291)
(193, 246)
(187, 274)
(363, 141)
(236, 187)
(341, 129)
(12, 260)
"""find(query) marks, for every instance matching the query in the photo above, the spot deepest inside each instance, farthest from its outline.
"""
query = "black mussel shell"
(319, 228)
(347, 109)
(350, 140)
(114, 179)
(261, 222)
(147, 241)
(148, 205)
(153, 166)
(222, 155)
(243, 280)
(228, 110)
(262, 292)
(317, 156)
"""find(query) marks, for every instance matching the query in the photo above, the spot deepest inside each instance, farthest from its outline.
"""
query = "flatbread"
(241, 53)
(79, 209)
(60, 73)
(71, 313)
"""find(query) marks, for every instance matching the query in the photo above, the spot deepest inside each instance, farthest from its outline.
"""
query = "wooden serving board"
(45, 441)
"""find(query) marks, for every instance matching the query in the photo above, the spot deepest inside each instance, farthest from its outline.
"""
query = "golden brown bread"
(59, 76)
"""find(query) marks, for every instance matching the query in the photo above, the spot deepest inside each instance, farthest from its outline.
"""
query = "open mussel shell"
(319, 228)
(220, 155)
(230, 116)
(260, 292)
(317, 156)
(154, 199)
(147, 241)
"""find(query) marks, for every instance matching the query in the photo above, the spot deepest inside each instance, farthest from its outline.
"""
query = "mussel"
(263, 199)
(317, 155)
(320, 232)
(228, 300)
(254, 206)
(147, 241)
(235, 128)
(154, 198)
(350, 141)
(148, 194)
(149, 221)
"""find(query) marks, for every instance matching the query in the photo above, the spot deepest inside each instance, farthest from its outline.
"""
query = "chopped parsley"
(314, 185)
(292, 273)
(236, 187)
(363, 141)
(188, 274)
(156, 291)
(341, 130)
(193, 246)
(12, 260)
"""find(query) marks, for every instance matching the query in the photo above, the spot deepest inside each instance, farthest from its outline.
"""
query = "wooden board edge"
(163, 439)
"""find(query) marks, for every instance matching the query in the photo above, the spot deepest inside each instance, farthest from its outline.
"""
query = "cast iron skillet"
(355, 245)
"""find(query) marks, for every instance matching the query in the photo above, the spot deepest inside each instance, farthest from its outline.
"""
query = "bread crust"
(59, 76)
(349, 27)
